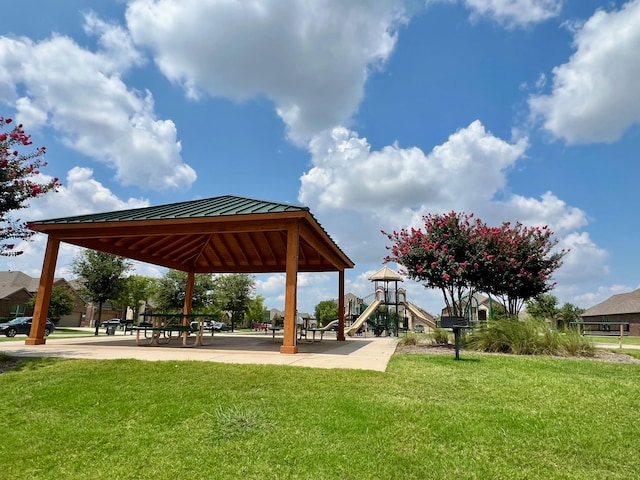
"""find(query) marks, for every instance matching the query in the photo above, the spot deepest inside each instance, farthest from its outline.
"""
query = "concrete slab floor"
(371, 353)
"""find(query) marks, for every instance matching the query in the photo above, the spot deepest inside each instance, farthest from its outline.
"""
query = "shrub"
(412, 338)
(409, 339)
(528, 337)
(575, 344)
(440, 336)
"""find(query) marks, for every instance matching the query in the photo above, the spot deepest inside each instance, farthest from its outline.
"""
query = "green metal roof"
(207, 207)
(211, 235)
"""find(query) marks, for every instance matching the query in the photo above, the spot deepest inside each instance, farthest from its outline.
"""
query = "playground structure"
(385, 310)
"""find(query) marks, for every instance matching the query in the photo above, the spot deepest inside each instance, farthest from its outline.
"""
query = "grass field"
(428, 416)
(614, 339)
(57, 333)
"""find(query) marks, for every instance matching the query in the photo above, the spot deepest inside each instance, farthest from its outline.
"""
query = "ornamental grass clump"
(528, 337)
(409, 339)
(440, 336)
(575, 344)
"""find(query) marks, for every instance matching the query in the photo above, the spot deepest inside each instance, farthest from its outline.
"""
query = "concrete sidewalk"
(372, 353)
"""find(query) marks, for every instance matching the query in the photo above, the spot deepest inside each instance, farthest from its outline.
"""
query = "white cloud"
(81, 95)
(584, 261)
(590, 299)
(80, 194)
(511, 13)
(549, 210)
(348, 175)
(310, 58)
(596, 94)
(355, 192)
(118, 51)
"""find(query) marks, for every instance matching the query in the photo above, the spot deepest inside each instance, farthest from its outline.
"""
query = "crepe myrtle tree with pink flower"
(460, 255)
(517, 262)
(18, 183)
(442, 256)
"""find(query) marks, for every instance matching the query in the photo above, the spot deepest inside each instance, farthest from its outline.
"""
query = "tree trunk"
(99, 317)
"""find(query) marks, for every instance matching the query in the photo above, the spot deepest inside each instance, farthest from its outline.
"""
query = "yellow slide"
(328, 326)
(417, 312)
(362, 318)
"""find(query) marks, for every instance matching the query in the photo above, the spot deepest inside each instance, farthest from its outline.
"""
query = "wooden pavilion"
(226, 234)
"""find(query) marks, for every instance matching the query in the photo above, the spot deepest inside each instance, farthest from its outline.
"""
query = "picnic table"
(274, 329)
(313, 334)
(163, 328)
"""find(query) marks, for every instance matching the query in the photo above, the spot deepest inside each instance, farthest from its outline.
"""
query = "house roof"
(212, 235)
(616, 305)
(12, 282)
(15, 279)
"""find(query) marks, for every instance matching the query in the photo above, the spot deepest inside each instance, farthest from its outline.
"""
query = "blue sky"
(372, 113)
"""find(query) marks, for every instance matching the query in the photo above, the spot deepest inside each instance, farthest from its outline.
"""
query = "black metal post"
(456, 334)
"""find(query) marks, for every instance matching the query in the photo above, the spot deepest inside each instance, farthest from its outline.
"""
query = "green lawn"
(427, 417)
(57, 333)
(614, 339)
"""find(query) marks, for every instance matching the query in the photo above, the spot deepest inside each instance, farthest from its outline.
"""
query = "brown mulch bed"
(600, 355)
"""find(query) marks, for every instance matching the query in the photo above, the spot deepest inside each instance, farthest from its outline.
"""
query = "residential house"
(17, 290)
(623, 307)
(479, 308)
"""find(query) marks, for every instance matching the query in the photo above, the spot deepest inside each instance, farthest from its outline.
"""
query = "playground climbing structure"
(387, 310)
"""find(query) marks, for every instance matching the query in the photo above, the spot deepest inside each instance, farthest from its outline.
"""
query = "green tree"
(443, 256)
(543, 307)
(256, 310)
(102, 276)
(233, 294)
(326, 311)
(516, 262)
(18, 184)
(171, 289)
(569, 313)
(137, 289)
(61, 304)
(460, 255)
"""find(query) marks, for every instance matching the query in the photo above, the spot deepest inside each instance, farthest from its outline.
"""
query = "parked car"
(418, 328)
(220, 327)
(208, 325)
(22, 326)
(111, 322)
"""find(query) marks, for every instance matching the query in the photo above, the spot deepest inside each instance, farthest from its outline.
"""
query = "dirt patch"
(600, 355)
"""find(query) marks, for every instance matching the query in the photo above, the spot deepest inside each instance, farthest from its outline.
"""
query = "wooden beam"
(188, 298)
(36, 334)
(310, 236)
(252, 246)
(291, 290)
(341, 306)
(95, 244)
(266, 223)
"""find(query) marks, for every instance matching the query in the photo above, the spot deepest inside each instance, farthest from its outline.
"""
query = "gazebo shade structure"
(226, 234)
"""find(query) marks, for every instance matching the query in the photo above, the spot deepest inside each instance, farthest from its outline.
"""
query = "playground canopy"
(225, 234)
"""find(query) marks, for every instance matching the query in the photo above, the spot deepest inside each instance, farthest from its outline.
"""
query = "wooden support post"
(41, 309)
(188, 298)
(188, 302)
(291, 291)
(621, 335)
(341, 337)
